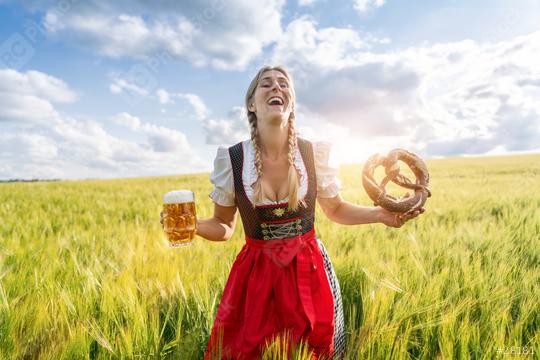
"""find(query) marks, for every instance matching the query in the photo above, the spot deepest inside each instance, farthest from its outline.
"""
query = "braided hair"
(293, 179)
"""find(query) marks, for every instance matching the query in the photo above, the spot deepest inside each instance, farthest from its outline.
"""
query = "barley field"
(85, 272)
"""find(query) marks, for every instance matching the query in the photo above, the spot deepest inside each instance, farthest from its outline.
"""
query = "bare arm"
(344, 212)
(221, 226)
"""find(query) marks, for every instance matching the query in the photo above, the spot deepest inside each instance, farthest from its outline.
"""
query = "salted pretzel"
(377, 192)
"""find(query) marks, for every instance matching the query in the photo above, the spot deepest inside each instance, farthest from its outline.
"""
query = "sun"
(352, 150)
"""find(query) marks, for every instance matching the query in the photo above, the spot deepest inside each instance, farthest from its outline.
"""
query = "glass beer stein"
(179, 217)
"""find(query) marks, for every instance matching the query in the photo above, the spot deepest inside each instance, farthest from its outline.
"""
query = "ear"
(252, 107)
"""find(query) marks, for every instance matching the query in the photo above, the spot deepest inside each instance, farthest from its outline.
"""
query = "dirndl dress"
(281, 281)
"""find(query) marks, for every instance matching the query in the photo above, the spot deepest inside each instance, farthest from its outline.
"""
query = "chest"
(274, 179)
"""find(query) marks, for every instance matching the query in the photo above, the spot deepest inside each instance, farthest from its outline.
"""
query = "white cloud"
(30, 96)
(198, 105)
(36, 83)
(302, 43)
(163, 96)
(218, 131)
(363, 6)
(337, 77)
(204, 33)
(470, 93)
(435, 98)
(119, 86)
(228, 131)
(53, 145)
(306, 2)
(127, 120)
(158, 138)
(36, 146)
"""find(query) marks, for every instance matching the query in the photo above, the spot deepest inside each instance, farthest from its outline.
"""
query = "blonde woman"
(282, 280)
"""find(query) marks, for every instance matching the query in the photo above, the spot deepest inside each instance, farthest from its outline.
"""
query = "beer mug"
(179, 217)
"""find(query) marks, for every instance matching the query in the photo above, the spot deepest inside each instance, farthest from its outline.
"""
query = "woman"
(282, 279)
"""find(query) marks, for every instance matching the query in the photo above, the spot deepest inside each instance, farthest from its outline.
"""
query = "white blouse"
(327, 170)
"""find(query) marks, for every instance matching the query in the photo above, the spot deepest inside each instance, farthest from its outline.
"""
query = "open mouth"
(275, 100)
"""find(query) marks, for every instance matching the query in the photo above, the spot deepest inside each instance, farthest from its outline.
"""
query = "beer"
(179, 217)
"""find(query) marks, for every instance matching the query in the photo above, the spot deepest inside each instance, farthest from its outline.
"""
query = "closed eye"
(282, 84)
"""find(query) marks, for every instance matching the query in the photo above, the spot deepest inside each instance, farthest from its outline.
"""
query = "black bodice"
(275, 221)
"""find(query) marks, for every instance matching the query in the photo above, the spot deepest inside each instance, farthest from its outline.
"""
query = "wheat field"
(85, 272)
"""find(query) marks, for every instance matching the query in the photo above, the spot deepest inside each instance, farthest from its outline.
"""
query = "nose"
(275, 85)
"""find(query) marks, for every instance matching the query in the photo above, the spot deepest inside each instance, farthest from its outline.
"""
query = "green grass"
(85, 271)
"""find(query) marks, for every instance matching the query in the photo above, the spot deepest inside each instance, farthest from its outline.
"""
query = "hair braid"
(258, 193)
(293, 179)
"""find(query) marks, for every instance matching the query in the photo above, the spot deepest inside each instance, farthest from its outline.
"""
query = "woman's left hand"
(396, 219)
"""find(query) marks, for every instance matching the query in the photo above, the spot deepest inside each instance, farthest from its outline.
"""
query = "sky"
(103, 89)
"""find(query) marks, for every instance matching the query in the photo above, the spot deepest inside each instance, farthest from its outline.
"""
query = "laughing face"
(273, 100)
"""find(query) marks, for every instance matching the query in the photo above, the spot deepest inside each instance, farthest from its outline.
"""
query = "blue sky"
(133, 88)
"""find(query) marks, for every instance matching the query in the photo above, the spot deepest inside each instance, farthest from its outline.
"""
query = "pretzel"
(377, 193)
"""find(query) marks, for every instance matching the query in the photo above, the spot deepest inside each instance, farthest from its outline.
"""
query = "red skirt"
(274, 286)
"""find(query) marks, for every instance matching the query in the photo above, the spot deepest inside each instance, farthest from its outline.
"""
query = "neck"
(273, 140)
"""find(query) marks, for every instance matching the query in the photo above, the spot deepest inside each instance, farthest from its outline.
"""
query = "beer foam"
(178, 196)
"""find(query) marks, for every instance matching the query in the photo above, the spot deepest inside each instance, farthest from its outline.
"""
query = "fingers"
(398, 220)
(412, 214)
(401, 219)
(419, 211)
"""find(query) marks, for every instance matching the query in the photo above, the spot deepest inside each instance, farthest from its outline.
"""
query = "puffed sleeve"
(222, 178)
(327, 169)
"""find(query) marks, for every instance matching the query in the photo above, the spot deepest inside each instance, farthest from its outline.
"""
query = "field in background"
(85, 271)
